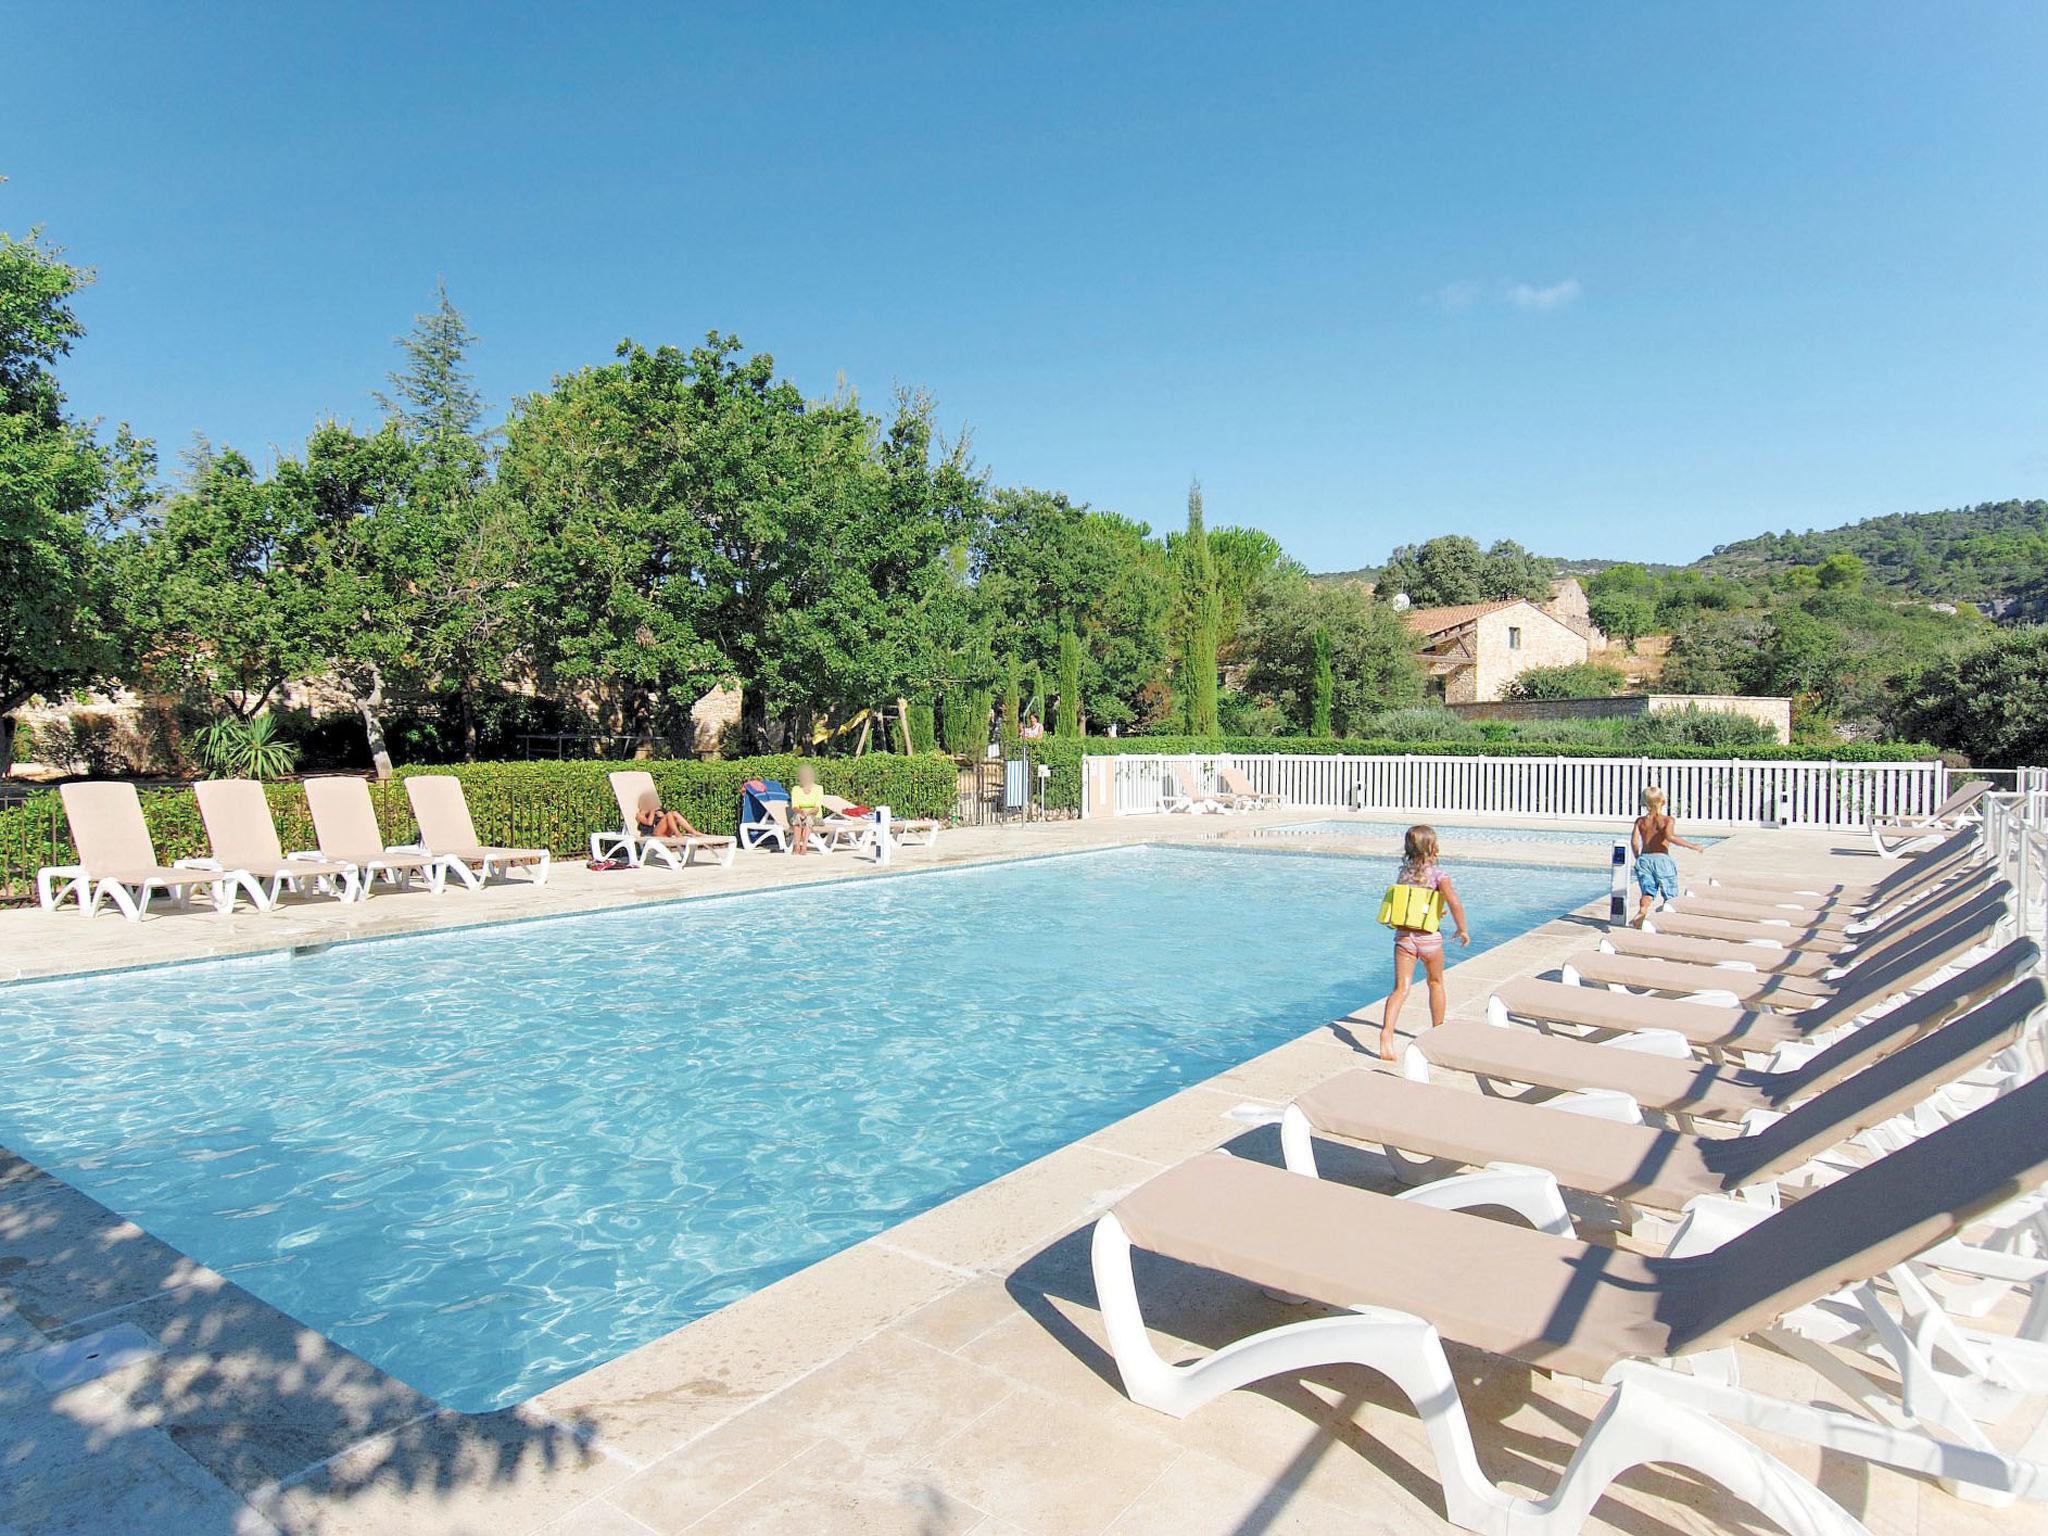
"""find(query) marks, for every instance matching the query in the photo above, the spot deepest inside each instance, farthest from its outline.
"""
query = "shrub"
(1691, 727)
(1580, 680)
(246, 749)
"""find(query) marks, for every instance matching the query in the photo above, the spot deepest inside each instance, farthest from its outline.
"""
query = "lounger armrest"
(211, 865)
(1791, 1054)
(417, 850)
(1531, 1193)
(1600, 1104)
(1757, 1119)
(1711, 1220)
(1654, 1042)
(1984, 1263)
(311, 856)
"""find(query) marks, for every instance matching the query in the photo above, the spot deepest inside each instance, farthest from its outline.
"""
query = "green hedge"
(1063, 789)
(555, 805)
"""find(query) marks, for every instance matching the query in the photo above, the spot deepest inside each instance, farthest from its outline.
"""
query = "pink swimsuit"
(1413, 941)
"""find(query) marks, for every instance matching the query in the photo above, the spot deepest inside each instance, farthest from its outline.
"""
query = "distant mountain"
(1995, 553)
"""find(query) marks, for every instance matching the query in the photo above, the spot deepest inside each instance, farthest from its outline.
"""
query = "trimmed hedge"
(1063, 789)
(552, 805)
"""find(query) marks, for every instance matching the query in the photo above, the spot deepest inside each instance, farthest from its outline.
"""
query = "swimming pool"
(1453, 832)
(490, 1159)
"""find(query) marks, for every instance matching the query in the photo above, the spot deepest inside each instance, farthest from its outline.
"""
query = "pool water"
(488, 1160)
(1450, 833)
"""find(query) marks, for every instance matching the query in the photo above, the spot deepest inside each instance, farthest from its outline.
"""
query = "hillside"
(1996, 551)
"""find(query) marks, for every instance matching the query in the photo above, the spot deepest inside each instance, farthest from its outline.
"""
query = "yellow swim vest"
(1412, 906)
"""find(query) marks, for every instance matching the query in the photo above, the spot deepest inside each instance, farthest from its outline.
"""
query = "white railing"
(2016, 838)
(1833, 795)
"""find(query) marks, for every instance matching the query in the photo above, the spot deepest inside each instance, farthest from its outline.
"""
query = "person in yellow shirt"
(806, 806)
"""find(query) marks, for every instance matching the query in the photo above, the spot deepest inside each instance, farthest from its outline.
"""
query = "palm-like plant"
(245, 749)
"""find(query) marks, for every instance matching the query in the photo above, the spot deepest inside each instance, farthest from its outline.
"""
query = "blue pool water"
(492, 1159)
(1451, 833)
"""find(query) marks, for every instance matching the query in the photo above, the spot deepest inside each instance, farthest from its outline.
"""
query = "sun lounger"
(629, 787)
(345, 826)
(1180, 790)
(1951, 856)
(1907, 834)
(243, 835)
(1974, 922)
(764, 816)
(1240, 790)
(1631, 1163)
(904, 831)
(1960, 844)
(1721, 1027)
(117, 859)
(447, 832)
(1406, 1274)
(1773, 950)
(1672, 1083)
(1847, 925)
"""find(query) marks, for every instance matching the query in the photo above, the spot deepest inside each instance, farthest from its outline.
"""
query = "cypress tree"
(922, 726)
(1324, 685)
(1198, 602)
(1013, 705)
(1069, 722)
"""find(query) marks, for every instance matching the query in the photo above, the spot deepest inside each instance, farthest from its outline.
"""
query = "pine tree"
(1324, 684)
(1013, 705)
(434, 398)
(1198, 613)
(1068, 722)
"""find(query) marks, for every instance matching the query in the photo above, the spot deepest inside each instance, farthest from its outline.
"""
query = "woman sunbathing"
(653, 821)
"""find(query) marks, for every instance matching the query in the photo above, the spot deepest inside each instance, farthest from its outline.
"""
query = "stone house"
(1569, 606)
(1472, 651)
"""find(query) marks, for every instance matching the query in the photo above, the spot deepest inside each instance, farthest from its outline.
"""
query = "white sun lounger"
(447, 832)
(117, 859)
(345, 826)
(1908, 834)
(1433, 1128)
(1407, 1273)
(243, 836)
(629, 787)
(1975, 922)
(1662, 1076)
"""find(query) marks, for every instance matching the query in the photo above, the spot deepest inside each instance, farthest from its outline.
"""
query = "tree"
(1012, 705)
(1322, 684)
(1625, 616)
(1451, 569)
(1243, 557)
(61, 491)
(1373, 664)
(1840, 572)
(1990, 702)
(1198, 615)
(1068, 721)
(433, 394)
(227, 587)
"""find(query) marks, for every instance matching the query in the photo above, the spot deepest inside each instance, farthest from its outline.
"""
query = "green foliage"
(923, 726)
(1371, 652)
(1068, 721)
(1992, 550)
(1322, 683)
(232, 748)
(1580, 680)
(1990, 701)
(1452, 569)
(60, 491)
(1197, 623)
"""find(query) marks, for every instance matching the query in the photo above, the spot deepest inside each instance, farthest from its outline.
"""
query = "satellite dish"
(1400, 601)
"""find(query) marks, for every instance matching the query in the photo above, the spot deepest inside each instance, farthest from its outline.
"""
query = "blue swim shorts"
(1657, 875)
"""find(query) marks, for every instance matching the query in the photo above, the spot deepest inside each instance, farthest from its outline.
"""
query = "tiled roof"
(1434, 621)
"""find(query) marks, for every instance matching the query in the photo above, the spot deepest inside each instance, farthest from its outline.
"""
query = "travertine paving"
(948, 1375)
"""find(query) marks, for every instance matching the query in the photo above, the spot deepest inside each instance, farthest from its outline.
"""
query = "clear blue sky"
(1611, 279)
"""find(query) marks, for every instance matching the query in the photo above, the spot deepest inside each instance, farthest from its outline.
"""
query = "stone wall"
(1543, 642)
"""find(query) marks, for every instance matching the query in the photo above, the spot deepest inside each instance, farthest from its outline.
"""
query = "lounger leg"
(540, 871)
(1631, 1430)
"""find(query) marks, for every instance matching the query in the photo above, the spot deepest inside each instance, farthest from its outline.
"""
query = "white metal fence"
(1838, 795)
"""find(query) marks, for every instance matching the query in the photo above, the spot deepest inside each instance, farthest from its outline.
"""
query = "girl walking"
(1414, 909)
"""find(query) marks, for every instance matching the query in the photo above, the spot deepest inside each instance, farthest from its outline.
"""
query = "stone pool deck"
(947, 1375)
